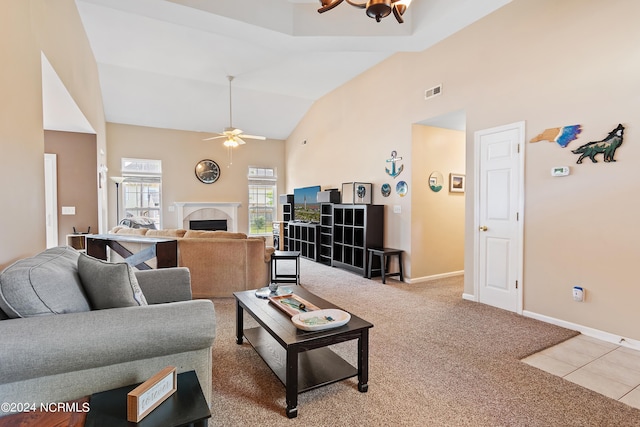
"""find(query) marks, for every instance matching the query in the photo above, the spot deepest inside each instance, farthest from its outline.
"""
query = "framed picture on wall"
(456, 183)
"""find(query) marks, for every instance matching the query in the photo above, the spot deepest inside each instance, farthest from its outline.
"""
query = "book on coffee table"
(292, 304)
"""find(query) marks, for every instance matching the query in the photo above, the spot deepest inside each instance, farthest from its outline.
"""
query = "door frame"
(51, 199)
(520, 127)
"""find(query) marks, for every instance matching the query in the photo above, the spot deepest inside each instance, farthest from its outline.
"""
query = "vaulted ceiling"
(164, 63)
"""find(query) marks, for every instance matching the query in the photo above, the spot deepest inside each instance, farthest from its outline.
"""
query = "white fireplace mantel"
(229, 209)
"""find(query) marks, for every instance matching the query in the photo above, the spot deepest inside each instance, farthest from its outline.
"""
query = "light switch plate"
(68, 210)
(397, 209)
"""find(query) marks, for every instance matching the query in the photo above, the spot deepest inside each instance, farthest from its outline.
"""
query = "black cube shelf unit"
(286, 200)
(345, 233)
(304, 237)
(356, 228)
(325, 255)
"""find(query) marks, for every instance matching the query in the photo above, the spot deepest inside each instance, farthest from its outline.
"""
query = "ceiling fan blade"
(232, 131)
(239, 140)
(262, 138)
(214, 137)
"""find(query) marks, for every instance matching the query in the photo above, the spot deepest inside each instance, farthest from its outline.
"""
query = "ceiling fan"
(376, 9)
(234, 136)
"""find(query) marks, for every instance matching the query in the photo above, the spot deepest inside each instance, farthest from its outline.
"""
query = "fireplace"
(208, 224)
(200, 211)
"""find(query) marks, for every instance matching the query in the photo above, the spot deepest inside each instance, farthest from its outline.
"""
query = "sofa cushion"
(168, 232)
(218, 234)
(130, 231)
(109, 284)
(47, 283)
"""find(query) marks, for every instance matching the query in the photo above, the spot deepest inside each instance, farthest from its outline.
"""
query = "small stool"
(385, 255)
(285, 278)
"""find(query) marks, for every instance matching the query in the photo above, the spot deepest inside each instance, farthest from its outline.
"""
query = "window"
(262, 200)
(142, 189)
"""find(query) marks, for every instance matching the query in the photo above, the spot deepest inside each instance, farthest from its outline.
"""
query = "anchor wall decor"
(394, 172)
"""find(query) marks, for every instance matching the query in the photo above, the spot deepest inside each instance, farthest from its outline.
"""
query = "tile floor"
(603, 367)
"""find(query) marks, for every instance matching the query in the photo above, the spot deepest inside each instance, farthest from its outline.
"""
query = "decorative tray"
(292, 304)
(319, 320)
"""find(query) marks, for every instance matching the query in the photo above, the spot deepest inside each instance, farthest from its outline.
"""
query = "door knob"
(483, 228)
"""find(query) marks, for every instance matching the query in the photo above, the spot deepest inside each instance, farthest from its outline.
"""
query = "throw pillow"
(46, 283)
(109, 284)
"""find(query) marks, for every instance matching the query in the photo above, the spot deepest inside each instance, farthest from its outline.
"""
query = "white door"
(499, 216)
(51, 199)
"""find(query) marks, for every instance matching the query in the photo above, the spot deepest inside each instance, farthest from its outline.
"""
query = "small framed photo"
(456, 183)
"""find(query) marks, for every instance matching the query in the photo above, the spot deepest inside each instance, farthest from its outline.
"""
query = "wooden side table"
(76, 241)
(385, 255)
(187, 406)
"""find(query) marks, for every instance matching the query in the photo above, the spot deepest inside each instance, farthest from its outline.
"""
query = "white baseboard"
(469, 297)
(434, 277)
(585, 330)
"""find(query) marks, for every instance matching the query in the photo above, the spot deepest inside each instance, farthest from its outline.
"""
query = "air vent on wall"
(434, 91)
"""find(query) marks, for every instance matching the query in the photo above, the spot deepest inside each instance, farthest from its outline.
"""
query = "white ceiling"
(163, 63)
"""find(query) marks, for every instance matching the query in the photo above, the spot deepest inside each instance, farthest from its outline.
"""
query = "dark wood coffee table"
(301, 359)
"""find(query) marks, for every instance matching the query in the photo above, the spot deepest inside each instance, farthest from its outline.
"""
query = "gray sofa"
(56, 346)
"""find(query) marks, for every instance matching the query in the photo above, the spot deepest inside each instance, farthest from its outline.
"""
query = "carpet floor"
(434, 359)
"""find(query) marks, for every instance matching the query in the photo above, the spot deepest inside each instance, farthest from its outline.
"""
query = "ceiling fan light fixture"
(399, 8)
(231, 143)
(328, 5)
(376, 9)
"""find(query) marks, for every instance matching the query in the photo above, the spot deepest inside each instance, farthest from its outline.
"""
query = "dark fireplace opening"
(208, 224)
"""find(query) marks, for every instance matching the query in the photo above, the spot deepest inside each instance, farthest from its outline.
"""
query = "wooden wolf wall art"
(607, 146)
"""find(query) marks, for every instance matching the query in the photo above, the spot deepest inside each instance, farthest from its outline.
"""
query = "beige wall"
(180, 151)
(77, 180)
(550, 64)
(21, 136)
(437, 226)
(28, 27)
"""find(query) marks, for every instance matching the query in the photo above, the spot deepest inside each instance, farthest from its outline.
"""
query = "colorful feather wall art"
(563, 135)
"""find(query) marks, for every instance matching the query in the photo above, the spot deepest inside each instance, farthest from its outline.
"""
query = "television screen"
(306, 207)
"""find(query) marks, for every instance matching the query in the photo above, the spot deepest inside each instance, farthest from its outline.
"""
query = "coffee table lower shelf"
(316, 368)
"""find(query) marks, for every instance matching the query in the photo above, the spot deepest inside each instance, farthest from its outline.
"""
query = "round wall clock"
(207, 171)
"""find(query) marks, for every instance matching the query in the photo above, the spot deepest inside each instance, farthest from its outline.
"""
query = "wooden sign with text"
(151, 393)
